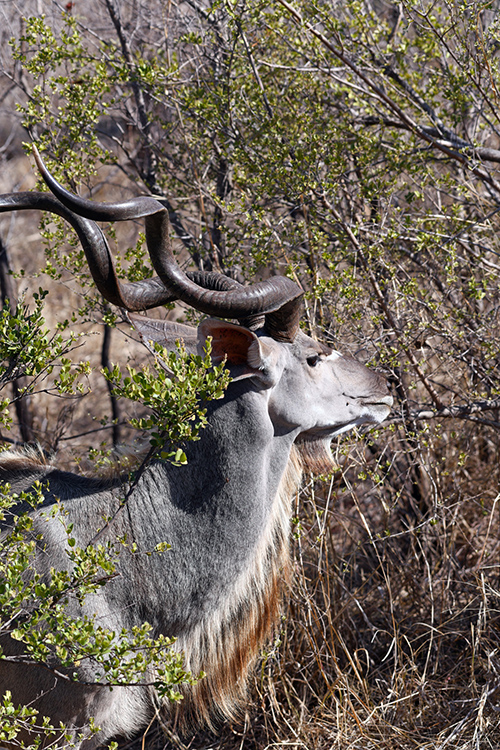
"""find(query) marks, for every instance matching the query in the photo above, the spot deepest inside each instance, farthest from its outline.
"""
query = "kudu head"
(313, 391)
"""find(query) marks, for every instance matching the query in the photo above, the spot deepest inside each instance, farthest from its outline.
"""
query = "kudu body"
(226, 513)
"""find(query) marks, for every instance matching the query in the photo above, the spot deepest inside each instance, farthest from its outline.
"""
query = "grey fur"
(225, 516)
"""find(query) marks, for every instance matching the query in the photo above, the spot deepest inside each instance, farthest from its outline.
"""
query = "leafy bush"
(353, 146)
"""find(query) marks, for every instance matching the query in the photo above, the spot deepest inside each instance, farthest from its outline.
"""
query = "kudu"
(226, 513)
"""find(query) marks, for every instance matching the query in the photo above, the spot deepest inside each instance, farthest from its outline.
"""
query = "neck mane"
(227, 644)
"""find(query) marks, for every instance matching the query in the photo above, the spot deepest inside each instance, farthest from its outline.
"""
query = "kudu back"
(226, 513)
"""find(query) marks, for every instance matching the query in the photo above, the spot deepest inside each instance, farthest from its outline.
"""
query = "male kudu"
(226, 513)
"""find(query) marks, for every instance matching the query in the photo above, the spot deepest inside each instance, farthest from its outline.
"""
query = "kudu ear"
(166, 332)
(246, 355)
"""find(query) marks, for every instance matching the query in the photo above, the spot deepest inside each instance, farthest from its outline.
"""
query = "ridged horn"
(133, 296)
(279, 298)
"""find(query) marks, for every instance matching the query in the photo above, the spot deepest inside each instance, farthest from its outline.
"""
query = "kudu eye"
(313, 360)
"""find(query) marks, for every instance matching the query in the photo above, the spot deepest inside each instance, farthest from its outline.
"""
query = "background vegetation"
(353, 145)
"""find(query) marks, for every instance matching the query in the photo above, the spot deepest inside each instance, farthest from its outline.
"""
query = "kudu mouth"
(370, 401)
(376, 412)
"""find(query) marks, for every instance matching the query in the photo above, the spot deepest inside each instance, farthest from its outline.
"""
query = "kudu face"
(225, 513)
(312, 391)
(332, 392)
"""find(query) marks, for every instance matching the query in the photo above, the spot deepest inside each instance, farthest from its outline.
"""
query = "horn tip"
(39, 161)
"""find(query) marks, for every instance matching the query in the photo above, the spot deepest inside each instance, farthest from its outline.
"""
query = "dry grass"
(390, 637)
